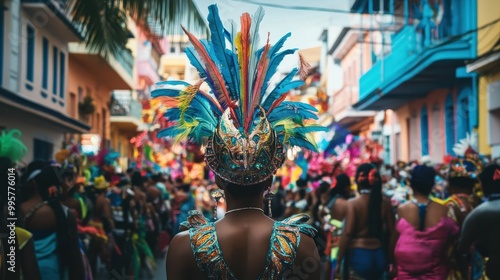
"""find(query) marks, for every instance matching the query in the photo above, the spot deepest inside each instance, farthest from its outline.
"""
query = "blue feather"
(195, 60)
(173, 83)
(200, 132)
(282, 87)
(200, 106)
(274, 62)
(168, 92)
(308, 129)
(274, 49)
(294, 110)
(170, 132)
(172, 114)
(218, 41)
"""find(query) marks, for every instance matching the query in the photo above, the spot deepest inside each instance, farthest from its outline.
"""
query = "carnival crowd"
(373, 220)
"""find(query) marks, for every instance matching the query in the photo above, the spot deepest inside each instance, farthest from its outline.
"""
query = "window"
(424, 131)
(63, 70)
(30, 54)
(45, 69)
(55, 54)
(449, 118)
(42, 150)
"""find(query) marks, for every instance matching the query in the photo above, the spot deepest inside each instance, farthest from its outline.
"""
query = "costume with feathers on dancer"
(245, 124)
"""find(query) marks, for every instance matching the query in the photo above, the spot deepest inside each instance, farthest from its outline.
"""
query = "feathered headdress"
(468, 163)
(11, 146)
(244, 121)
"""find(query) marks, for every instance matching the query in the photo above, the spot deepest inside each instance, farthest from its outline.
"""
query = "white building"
(34, 36)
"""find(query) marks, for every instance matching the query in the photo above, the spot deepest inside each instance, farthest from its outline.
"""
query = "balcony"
(422, 58)
(116, 72)
(344, 114)
(147, 70)
(53, 15)
(126, 113)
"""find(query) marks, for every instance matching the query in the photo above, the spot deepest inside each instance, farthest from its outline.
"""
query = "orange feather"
(213, 71)
(277, 102)
(246, 22)
(259, 81)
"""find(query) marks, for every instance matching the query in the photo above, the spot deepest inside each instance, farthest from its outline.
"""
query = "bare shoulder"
(442, 209)
(180, 260)
(180, 245)
(307, 263)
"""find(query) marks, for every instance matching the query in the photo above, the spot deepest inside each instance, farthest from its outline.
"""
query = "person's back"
(247, 245)
(479, 227)
(361, 233)
(369, 224)
(421, 251)
(54, 229)
(425, 231)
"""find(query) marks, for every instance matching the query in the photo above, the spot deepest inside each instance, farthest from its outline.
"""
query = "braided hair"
(363, 180)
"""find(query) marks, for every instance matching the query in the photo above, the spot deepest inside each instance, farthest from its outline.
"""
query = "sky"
(306, 26)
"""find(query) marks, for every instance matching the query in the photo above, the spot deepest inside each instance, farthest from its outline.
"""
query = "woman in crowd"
(424, 231)
(336, 209)
(54, 229)
(364, 244)
(26, 266)
(461, 176)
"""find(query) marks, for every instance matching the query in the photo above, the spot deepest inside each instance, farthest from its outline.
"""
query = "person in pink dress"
(423, 232)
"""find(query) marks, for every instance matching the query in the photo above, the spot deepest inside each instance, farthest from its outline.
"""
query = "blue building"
(419, 50)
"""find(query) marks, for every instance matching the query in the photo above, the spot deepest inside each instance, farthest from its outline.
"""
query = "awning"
(351, 117)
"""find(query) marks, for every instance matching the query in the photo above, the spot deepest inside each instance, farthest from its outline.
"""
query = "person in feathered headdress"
(246, 126)
(479, 228)
(462, 176)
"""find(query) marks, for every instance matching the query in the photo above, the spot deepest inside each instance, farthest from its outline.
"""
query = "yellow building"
(487, 65)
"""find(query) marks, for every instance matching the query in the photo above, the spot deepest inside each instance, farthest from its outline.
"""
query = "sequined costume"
(285, 240)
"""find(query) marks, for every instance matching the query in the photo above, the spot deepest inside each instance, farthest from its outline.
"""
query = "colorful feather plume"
(11, 146)
(239, 75)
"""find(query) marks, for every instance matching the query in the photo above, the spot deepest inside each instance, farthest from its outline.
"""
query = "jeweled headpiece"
(468, 162)
(244, 121)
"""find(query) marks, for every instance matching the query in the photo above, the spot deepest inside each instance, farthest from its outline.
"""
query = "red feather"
(246, 22)
(213, 71)
(259, 81)
(277, 102)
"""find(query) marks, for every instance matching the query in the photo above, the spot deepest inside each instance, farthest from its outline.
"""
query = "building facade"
(92, 79)
(347, 51)
(421, 75)
(487, 66)
(34, 59)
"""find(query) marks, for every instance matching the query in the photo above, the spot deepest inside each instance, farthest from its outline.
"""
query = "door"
(437, 135)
